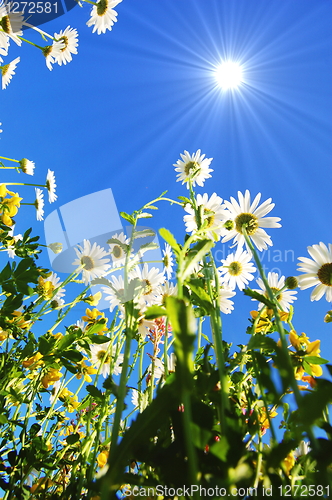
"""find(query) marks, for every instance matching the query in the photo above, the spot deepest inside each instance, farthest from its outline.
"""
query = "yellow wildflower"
(45, 288)
(53, 375)
(306, 348)
(3, 334)
(263, 418)
(102, 458)
(85, 371)
(3, 190)
(264, 321)
(33, 361)
(19, 320)
(289, 462)
(93, 300)
(69, 399)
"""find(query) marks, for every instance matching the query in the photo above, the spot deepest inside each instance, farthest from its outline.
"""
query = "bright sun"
(229, 75)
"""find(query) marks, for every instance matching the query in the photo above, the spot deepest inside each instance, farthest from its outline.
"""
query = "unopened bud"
(55, 247)
(291, 282)
(328, 317)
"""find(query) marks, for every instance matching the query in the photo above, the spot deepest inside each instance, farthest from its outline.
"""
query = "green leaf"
(144, 215)
(170, 239)
(183, 324)
(144, 233)
(203, 299)
(99, 339)
(66, 341)
(154, 312)
(72, 355)
(200, 437)
(184, 199)
(5, 273)
(220, 449)
(73, 438)
(261, 342)
(95, 392)
(196, 254)
(3, 419)
(128, 218)
(97, 327)
(258, 296)
(315, 360)
(45, 345)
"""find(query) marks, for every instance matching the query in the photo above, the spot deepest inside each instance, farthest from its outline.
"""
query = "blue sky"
(119, 115)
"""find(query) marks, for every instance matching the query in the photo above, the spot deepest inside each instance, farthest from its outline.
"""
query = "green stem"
(284, 346)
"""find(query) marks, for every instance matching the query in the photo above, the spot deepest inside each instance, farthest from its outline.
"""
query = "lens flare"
(229, 75)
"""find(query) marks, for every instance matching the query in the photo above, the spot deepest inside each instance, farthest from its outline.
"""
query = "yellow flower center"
(275, 292)
(325, 274)
(101, 355)
(87, 262)
(117, 251)
(235, 268)
(209, 217)
(65, 40)
(190, 167)
(250, 220)
(147, 288)
(5, 24)
(4, 69)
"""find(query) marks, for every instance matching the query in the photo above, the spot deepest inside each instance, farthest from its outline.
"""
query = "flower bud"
(291, 282)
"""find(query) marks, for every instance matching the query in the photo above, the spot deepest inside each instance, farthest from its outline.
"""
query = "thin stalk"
(284, 346)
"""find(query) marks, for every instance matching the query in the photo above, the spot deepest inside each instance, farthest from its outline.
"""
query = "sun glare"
(229, 75)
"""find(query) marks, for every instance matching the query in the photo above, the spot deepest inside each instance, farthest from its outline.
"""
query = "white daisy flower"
(117, 251)
(226, 305)
(245, 212)
(70, 39)
(7, 71)
(302, 450)
(213, 215)
(4, 44)
(27, 166)
(165, 290)
(143, 324)
(318, 271)
(102, 16)
(194, 167)
(11, 24)
(139, 399)
(91, 257)
(150, 280)
(115, 293)
(285, 298)
(168, 261)
(100, 355)
(39, 204)
(52, 53)
(11, 248)
(51, 185)
(236, 269)
(159, 368)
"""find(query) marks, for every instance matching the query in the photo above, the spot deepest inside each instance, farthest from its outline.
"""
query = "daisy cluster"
(211, 217)
(145, 285)
(62, 44)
